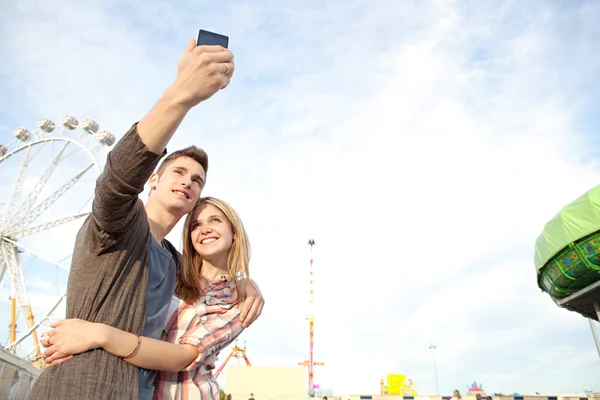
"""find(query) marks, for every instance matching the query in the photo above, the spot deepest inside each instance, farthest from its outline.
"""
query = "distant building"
(266, 383)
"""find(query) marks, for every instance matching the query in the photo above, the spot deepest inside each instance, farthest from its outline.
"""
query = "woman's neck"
(213, 270)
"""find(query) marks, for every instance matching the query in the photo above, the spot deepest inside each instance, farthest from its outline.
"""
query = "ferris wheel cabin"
(22, 134)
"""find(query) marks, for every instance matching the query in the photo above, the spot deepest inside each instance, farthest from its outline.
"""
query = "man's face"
(179, 186)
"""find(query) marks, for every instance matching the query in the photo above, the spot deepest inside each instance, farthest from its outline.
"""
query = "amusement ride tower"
(310, 363)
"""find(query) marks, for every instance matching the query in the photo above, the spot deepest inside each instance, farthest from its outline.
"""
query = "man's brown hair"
(192, 152)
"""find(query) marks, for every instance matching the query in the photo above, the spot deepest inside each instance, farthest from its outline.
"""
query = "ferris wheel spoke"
(39, 149)
(88, 201)
(15, 201)
(27, 205)
(33, 214)
(45, 226)
(12, 346)
(75, 151)
(35, 253)
(2, 216)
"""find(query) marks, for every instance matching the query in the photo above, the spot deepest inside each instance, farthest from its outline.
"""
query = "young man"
(123, 270)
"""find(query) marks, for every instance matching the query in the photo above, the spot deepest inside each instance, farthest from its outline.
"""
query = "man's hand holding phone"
(206, 38)
(203, 70)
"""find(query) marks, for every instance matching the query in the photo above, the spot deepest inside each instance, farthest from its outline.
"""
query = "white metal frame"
(22, 213)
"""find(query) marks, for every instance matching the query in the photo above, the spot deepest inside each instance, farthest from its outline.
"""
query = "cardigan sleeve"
(128, 166)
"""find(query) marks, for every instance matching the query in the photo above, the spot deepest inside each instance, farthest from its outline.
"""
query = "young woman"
(211, 284)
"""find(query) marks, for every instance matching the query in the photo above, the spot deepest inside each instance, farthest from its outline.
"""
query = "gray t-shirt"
(161, 286)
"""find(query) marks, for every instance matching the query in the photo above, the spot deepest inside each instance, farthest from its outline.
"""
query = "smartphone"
(211, 39)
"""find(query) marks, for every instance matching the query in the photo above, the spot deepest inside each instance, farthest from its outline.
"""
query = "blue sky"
(423, 145)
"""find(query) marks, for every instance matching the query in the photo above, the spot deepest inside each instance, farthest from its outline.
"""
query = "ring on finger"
(226, 69)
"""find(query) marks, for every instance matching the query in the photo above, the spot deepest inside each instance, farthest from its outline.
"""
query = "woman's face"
(211, 233)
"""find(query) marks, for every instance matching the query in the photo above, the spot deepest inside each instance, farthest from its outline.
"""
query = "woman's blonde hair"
(187, 285)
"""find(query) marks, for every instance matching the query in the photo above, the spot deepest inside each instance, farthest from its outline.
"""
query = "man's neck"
(161, 221)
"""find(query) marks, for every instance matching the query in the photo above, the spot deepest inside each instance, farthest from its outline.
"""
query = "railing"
(17, 376)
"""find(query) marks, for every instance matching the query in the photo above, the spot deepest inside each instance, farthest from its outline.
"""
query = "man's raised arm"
(202, 71)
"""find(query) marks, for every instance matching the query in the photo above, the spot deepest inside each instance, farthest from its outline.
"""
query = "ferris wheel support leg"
(13, 345)
(11, 253)
(13, 322)
(33, 333)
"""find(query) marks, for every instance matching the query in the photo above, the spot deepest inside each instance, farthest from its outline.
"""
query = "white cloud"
(422, 145)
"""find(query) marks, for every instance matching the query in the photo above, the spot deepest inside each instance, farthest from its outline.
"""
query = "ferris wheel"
(47, 179)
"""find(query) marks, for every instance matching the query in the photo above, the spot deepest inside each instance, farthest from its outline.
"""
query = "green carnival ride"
(567, 256)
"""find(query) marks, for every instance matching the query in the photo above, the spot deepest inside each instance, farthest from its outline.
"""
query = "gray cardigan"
(108, 277)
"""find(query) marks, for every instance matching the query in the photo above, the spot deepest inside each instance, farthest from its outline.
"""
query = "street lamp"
(433, 347)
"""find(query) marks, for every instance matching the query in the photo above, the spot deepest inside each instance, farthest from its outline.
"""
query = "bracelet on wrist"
(139, 341)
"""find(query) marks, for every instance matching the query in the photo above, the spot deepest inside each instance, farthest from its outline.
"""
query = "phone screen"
(212, 39)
